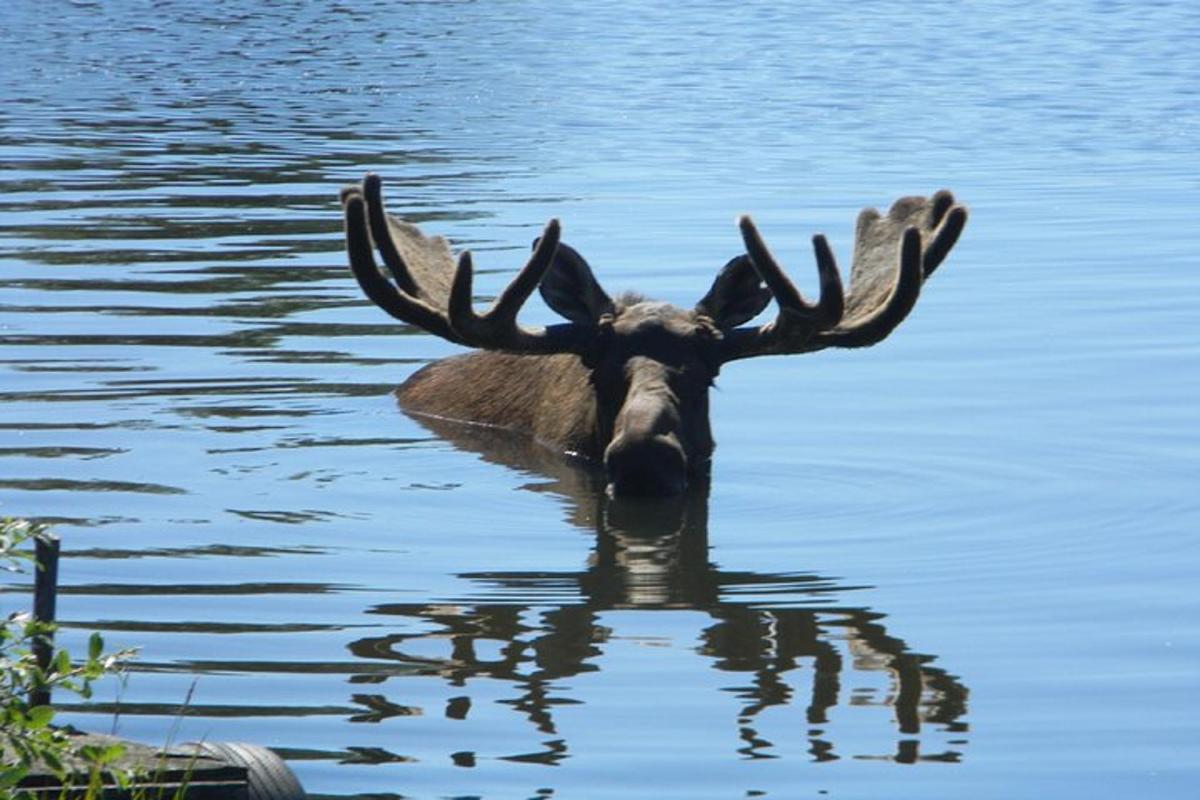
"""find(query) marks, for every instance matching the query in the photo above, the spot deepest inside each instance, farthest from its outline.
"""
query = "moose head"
(624, 382)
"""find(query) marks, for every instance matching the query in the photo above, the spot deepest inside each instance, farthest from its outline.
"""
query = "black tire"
(268, 776)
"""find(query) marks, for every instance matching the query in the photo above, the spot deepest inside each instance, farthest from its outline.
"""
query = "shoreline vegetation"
(32, 747)
(41, 759)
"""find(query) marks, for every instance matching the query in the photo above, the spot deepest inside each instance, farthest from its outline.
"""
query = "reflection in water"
(156, 312)
(176, 314)
(777, 629)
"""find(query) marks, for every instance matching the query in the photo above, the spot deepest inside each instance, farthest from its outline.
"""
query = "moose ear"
(737, 295)
(569, 288)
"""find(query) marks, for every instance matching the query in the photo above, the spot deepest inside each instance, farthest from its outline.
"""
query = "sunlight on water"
(959, 563)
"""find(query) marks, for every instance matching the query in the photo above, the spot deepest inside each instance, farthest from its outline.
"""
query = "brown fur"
(547, 397)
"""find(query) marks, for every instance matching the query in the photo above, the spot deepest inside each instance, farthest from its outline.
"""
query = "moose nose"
(652, 466)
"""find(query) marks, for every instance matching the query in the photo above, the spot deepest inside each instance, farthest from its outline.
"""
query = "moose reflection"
(786, 634)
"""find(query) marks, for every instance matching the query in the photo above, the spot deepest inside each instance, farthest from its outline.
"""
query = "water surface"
(959, 563)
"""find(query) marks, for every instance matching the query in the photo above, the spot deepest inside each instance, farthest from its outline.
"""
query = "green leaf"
(52, 761)
(39, 717)
(11, 776)
(95, 646)
(109, 754)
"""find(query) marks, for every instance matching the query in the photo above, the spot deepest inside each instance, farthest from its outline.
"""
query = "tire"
(268, 776)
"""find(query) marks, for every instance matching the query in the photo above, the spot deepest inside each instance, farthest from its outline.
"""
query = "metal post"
(45, 593)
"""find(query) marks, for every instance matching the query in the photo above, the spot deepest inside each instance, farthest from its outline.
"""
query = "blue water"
(961, 563)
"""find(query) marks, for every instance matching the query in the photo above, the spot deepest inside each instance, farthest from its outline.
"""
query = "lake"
(960, 563)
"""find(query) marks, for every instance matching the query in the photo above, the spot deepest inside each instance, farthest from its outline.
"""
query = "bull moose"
(625, 381)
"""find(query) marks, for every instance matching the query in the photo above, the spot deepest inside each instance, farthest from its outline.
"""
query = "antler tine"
(517, 292)
(372, 189)
(944, 237)
(875, 328)
(798, 320)
(785, 292)
(832, 304)
(497, 328)
(379, 290)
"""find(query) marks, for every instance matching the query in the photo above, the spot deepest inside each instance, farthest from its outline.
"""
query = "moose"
(624, 382)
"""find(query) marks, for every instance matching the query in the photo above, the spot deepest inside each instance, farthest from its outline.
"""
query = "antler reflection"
(534, 630)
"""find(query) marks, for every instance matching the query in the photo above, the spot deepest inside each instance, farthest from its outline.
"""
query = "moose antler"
(921, 229)
(497, 328)
(421, 267)
(429, 290)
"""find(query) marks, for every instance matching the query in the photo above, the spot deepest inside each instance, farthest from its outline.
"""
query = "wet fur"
(547, 397)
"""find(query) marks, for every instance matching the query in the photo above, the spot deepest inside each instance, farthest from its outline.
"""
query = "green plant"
(27, 735)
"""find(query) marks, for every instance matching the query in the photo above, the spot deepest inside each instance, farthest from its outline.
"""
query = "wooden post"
(45, 593)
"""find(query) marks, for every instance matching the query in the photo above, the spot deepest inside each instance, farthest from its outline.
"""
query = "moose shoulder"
(625, 381)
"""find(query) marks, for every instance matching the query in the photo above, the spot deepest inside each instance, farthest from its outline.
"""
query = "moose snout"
(649, 466)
